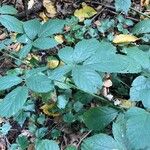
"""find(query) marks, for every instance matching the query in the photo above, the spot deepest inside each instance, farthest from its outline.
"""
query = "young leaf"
(11, 23)
(86, 79)
(100, 142)
(98, 118)
(46, 145)
(142, 27)
(39, 83)
(66, 54)
(9, 81)
(24, 51)
(138, 121)
(51, 27)
(13, 102)
(140, 90)
(9, 10)
(32, 28)
(123, 5)
(44, 43)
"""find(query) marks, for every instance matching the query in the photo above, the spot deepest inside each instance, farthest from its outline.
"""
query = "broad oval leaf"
(11, 23)
(138, 128)
(86, 79)
(142, 27)
(84, 49)
(9, 81)
(39, 83)
(66, 54)
(46, 145)
(6, 9)
(44, 43)
(13, 102)
(98, 118)
(51, 27)
(140, 90)
(100, 142)
(31, 28)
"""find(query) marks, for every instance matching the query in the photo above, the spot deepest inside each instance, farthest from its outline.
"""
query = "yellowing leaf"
(145, 2)
(124, 38)
(50, 8)
(50, 110)
(126, 103)
(84, 12)
(59, 39)
(52, 62)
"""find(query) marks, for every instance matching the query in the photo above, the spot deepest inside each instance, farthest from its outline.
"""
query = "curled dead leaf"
(124, 38)
(107, 83)
(84, 12)
(43, 16)
(30, 4)
(3, 36)
(49, 109)
(145, 2)
(50, 8)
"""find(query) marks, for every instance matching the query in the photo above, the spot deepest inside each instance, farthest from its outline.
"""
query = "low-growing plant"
(66, 90)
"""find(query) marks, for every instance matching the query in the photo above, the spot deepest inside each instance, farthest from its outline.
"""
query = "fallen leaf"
(52, 62)
(50, 8)
(48, 109)
(3, 36)
(124, 38)
(145, 2)
(59, 39)
(107, 83)
(30, 4)
(43, 16)
(84, 12)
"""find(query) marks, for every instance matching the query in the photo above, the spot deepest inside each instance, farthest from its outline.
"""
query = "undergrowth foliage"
(77, 80)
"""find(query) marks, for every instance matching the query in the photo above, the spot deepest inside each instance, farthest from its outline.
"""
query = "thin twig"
(83, 138)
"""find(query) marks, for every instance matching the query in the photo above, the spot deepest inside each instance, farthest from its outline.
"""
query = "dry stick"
(83, 138)
(131, 8)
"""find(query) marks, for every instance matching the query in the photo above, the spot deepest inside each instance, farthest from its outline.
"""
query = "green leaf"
(140, 90)
(51, 27)
(4, 129)
(123, 5)
(100, 142)
(39, 83)
(62, 101)
(59, 72)
(138, 55)
(32, 28)
(66, 54)
(142, 27)
(44, 43)
(98, 118)
(46, 145)
(119, 132)
(138, 128)
(13, 102)
(24, 51)
(6, 9)
(9, 81)
(84, 49)
(87, 79)
(11, 23)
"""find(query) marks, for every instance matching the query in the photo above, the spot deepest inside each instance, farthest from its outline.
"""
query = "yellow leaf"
(50, 110)
(124, 38)
(84, 12)
(145, 2)
(50, 8)
(59, 39)
(126, 103)
(52, 62)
